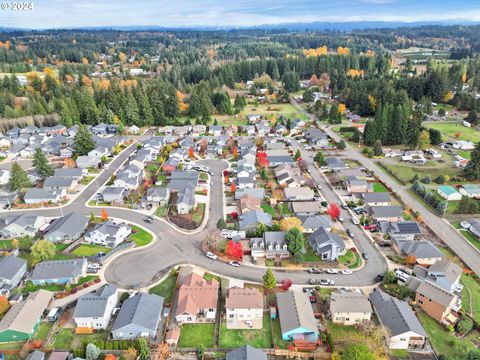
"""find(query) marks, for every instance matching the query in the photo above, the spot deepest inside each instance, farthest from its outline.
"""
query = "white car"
(234, 263)
(332, 271)
(93, 266)
(355, 220)
(347, 272)
(211, 255)
(340, 218)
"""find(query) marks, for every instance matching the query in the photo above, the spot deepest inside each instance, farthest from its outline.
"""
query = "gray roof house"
(186, 201)
(401, 230)
(59, 183)
(94, 310)
(250, 220)
(296, 316)
(404, 329)
(67, 228)
(36, 355)
(259, 193)
(425, 252)
(349, 307)
(312, 223)
(86, 161)
(139, 316)
(59, 271)
(386, 213)
(246, 353)
(12, 270)
(334, 163)
(376, 198)
(158, 195)
(326, 244)
(76, 173)
(39, 196)
(108, 234)
(26, 224)
(275, 245)
(113, 194)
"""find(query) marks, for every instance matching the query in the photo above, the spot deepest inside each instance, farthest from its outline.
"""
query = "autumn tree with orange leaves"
(104, 215)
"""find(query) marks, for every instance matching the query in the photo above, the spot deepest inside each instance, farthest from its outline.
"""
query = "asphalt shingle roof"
(142, 310)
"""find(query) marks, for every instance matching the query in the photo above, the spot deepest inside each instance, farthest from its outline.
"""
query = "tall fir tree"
(41, 164)
(19, 180)
(83, 141)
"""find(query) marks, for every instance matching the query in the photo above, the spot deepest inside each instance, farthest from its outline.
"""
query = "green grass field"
(261, 338)
(379, 187)
(406, 172)
(43, 331)
(449, 130)
(141, 236)
(197, 335)
(166, 288)
(471, 296)
(89, 250)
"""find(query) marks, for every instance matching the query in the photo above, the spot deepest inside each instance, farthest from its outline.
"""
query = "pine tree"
(413, 134)
(269, 281)
(472, 170)
(132, 116)
(83, 141)
(41, 164)
(18, 178)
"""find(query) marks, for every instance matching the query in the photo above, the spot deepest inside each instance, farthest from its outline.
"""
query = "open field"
(449, 130)
(406, 171)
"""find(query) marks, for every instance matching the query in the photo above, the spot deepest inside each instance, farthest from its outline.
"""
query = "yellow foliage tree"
(84, 61)
(464, 77)
(290, 223)
(343, 51)
(373, 102)
(448, 96)
(355, 72)
(341, 108)
(86, 81)
(122, 57)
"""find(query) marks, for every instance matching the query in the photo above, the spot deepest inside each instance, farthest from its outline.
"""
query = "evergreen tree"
(19, 180)
(472, 170)
(41, 164)
(132, 116)
(200, 104)
(269, 281)
(294, 240)
(83, 141)
(413, 134)
(291, 81)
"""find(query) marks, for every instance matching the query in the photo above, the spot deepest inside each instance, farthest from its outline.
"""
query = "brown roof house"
(248, 203)
(197, 300)
(244, 308)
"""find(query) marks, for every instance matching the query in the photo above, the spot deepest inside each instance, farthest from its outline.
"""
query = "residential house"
(258, 193)
(246, 353)
(250, 130)
(386, 213)
(40, 196)
(355, 186)
(289, 175)
(297, 321)
(317, 138)
(215, 130)
(22, 320)
(88, 161)
(108, 234)
(311, 224)
(75, 173)
(157, 195)
(25, 224)
(449, 193)
(275, 245)
(279, 157)
(248, 203)
(199, 129)
(298, 193)
(139, 316)
(94, 310)
(403, 328)
(376, 199)
(4, 177)
(186, 201)
(113, 194)
(438, 302)
(248, 182)
(60, 183)
(470, 190)
(250, 220)
(472, 225)
(334, 163)
(401, 230)
(129, 177)
(59, 271)
(36, 355)
(67, 228)
(12, 270)
(306, 208)
(197, 300)
(424, 252)
(444, 273)
(350, 307)
(99, 152)
(327, 245)
(244, 308)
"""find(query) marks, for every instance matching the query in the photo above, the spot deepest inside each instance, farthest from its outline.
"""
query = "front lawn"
(405, 172)
(43, 331)
(310, 255)
(64, 339)
(89, 250)
(444, 342)
(197, 335)
(161, 211)
(379, 187)
(140, 236)
(350, 258)
(350, 334)
(166, 288)
(471, 296)
(261, 338)
(199, 214)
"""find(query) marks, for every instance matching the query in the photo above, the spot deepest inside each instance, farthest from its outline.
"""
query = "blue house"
(59, 271)
(297, 321)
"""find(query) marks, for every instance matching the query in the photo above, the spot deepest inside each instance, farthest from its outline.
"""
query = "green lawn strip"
(277, 334)
(444, 342)
(140, 236)
(379, 187)
(209, 276)
(471, 290)
(284, 209)
(64, 339)
(405, 172)
(11, 346)
(400, 353)
(356, 263)
(269, 209)
(61, 247)
(166, 288)
(467, 234)
(30, 287)
(161, 211)
(5, 244)
(323, 293)
(87, 180)
(233, 338)
(198, 214)
(197, 335)
(43, 331)
(90, 250)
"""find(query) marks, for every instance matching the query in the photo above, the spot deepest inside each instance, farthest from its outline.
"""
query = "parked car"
(314, 271)
(344, 207)
(319, 187)
(347, 272)
(350, 233)
(370, 227)
(326, 282)
(359, 210)
(332, 271)
(340, 218)
(211, 255)
(365, 255)
(234, 263)
(355, 220)
(93, 266)
(379, 278)
(148, 219)
(324, 203)
(317, 197)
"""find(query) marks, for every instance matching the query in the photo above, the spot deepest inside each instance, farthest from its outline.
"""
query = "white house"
(244, 308)
(108, 234)
(449, 193)
(94, 310)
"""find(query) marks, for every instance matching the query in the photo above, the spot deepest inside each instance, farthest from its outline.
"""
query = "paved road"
(456, 242)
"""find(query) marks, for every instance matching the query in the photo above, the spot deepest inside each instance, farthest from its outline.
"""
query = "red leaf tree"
(235, 152)
(333, 210)
(234, 250)
(104, 215)
(190, 152)
(232, 187)
(286, 284)
(262, 159)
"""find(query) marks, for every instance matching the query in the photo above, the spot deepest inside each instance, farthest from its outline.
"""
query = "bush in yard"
(427, 180)
(440, 179)
(92, 352)
(73, 291)
(85, 285)
(357, 352)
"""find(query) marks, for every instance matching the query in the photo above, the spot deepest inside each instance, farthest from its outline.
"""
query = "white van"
(54, 314)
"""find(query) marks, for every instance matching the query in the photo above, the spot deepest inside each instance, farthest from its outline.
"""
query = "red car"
(370, 227)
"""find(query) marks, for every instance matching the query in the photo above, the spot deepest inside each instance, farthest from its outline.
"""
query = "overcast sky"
(181, 13)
